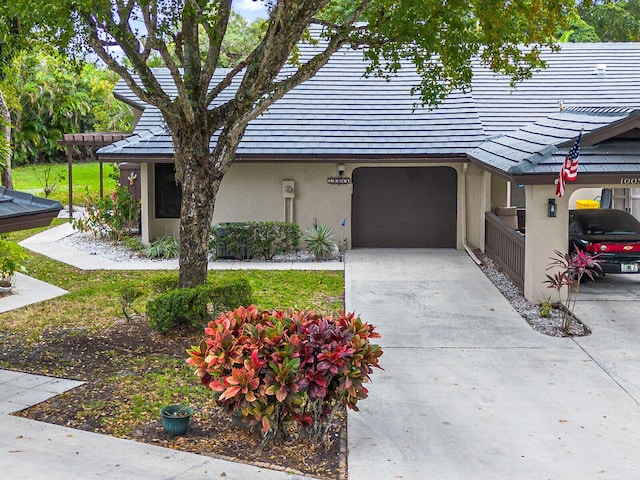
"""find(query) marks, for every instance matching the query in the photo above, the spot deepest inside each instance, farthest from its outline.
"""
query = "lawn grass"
(129, 370)
(31, 179)
(93, 301)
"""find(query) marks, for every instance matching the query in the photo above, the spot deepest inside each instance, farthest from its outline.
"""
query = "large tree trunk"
(199, 188)
(198, 199)
(5, 128)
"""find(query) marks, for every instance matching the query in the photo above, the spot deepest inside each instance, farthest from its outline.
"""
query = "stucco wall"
(478, 188)
(253, 191)
(544, 235)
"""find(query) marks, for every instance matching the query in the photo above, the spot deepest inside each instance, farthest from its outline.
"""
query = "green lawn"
(32, 179)
(129, 370)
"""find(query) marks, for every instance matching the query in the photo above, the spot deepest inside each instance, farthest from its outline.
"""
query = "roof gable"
(608, 145)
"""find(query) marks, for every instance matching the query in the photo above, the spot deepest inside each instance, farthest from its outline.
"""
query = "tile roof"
(338, 112)
(341, 113)
(571, 77)
(540, 147)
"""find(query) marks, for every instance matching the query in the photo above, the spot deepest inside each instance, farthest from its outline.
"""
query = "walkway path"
(20, 390)
(45, 244)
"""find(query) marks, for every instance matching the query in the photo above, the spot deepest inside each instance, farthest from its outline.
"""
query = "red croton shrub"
(274, 367)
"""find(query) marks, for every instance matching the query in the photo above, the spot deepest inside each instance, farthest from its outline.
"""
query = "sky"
(250, 9)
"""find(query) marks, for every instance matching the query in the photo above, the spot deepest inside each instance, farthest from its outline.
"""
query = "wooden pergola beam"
(98, 139)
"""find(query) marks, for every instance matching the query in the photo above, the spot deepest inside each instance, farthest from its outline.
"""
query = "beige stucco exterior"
(546, 234)
(254, 191)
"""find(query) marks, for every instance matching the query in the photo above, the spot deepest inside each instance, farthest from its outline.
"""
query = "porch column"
(145, 200)
(476, 197)
(500, 194)
(544, 235)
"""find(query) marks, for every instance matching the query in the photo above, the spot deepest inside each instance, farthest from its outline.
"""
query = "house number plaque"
(630, 181)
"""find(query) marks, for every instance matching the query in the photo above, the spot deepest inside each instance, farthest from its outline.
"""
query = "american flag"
(569, 170)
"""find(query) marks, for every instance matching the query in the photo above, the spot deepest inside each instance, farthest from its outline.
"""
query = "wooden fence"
(505, 246)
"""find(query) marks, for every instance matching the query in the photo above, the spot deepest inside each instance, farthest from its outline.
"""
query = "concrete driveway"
(611, 307)
(469, 391)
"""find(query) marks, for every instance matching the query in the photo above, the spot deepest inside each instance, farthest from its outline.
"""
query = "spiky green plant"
(165, 247)
(321, 241)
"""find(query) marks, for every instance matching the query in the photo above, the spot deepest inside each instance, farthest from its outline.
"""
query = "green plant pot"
(176, 418)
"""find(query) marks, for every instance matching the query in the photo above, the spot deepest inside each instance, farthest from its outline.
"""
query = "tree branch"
(152, 92)
(225, 82)
(340, 37)
(215, 35)
(150, 16)
(304, 73)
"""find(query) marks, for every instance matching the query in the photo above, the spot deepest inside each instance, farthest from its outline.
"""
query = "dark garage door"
(406, 207)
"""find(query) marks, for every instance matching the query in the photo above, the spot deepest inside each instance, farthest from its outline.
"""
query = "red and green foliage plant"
(570, 268)
(270, 368)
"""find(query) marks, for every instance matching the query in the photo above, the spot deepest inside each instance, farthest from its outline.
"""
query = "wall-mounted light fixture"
(340, 179)
(552, 208)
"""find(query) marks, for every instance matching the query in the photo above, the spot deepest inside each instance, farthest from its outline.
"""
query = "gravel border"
(527, 310)
(118, 252)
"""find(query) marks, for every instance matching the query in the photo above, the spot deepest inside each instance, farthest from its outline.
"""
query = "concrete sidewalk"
(470, 391)
(20, 390)
(33, 450)
(27, 291)
(46, 244)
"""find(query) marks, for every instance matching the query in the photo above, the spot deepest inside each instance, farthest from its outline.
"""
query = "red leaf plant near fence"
(274, 367)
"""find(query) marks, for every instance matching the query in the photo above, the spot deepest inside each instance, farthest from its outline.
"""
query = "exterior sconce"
(552, 208)
(133, 176)
(340, 179)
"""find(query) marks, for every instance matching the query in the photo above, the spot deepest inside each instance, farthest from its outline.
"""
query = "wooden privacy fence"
(505, 246)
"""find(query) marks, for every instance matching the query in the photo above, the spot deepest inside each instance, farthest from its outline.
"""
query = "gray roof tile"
(540, 148)
(341, 112)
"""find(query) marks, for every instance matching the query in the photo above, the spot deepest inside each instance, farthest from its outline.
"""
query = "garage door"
(406, 207)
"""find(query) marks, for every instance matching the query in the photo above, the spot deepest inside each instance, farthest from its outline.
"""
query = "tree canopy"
(438, 39)
(613, 21)
(50, 95)
(22, 25)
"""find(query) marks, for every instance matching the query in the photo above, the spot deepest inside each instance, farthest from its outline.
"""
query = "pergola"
(100, 139)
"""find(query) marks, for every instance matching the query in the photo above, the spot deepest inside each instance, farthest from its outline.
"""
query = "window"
(168, 193)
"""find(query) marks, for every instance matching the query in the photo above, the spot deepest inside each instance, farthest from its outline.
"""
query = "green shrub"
(244, 240)
(164, 282)
(134, 244)
(12, 259)
(165, 247)
(179, 307)
(114, 216)
(230, 295)
(268, 239)
(128, 295)
(321, 241)
(231, 240)
(195, 306)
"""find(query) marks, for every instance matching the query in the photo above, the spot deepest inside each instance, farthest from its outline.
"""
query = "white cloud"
(241, 6)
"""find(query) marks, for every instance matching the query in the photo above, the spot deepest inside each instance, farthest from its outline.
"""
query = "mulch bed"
(100, 358)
